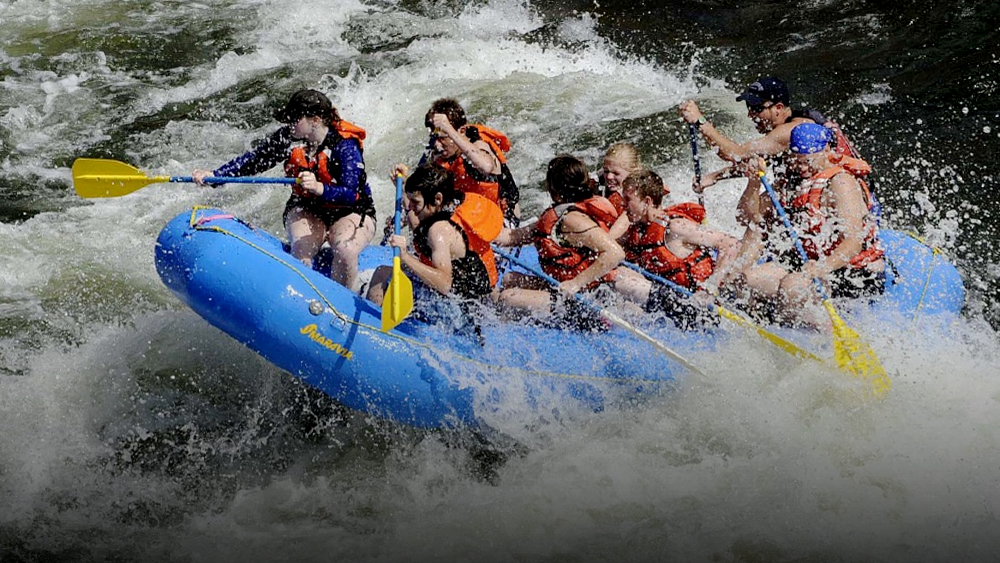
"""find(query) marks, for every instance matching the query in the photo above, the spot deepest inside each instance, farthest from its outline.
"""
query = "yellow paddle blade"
(398, 301)
(770, 336)
(855, 356)
(98, 177)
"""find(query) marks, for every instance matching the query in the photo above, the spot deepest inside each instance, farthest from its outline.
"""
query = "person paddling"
(574, 248)
(475, 154)
(332, 201)
(832, 215)
(453, 259)
(671, 243)
(769, 107)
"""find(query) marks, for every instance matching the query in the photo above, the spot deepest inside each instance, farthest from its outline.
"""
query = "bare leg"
(800, 305)
(521, 299)
(757, 288)
(632, 285)
(348, 236)
(379, 283)
(305, 234)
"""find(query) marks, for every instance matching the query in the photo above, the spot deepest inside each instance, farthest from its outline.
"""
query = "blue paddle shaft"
(396, 223)
(541, 273)
(659, 279)
(236, 180)
(603, 312)
(693, 130)
(791, 230)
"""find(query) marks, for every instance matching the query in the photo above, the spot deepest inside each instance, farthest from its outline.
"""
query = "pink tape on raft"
(202, 220)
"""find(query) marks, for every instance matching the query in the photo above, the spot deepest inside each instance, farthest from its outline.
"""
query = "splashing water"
(132, 430)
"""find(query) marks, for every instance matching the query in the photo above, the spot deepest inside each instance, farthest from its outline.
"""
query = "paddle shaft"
(397, 224)
(604, 313)
(780, 210)
(693, 133)
(234, 180)
(98, 177)
(723, 312)
(398, 299)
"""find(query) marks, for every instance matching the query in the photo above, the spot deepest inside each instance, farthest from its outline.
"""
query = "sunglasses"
(758, 108)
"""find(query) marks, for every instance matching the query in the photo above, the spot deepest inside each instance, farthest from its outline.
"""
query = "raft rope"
(935, 253)
(201, 224)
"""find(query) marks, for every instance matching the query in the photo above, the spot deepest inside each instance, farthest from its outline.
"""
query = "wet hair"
(308, 103)
(428, 181)
(569, 178)
(646, 183)
(626, 154)
(450, 108)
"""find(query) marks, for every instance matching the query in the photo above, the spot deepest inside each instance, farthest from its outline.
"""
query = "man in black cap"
(769, 106)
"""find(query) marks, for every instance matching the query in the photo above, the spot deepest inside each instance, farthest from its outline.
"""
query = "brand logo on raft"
(312, 331)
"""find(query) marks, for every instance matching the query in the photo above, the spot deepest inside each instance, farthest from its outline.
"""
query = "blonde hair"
(626, 154)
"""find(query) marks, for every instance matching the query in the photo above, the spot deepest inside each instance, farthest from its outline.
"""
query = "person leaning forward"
(831, 211)
(332, 201)
(474, 154)
(769, 106)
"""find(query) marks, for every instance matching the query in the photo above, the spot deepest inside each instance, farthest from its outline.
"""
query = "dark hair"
(450, 108)
(646, 183)
(569, 178)
(308, 103)
(428, 181)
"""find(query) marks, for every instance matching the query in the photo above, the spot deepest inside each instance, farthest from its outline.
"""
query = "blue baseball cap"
(808, 138)
(766, 89)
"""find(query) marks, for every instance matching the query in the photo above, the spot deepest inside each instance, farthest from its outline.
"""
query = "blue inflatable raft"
(241, 280)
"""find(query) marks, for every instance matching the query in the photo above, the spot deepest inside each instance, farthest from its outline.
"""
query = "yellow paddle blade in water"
(855, 356)
(398, 301)
(98, 177)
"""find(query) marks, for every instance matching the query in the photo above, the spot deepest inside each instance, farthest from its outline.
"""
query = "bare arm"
(749, 249)
(438, 275)
(694, 235)
(844, 198)
(478, 153)
(748, 208)
(581, 231)
(515, 237)
(774, 143)
(620, 226)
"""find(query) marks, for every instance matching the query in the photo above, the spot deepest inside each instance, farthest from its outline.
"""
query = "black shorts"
(856, 282)
(326, 213)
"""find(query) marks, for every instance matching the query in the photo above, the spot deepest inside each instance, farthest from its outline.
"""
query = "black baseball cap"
(305, 102)
(767, 89)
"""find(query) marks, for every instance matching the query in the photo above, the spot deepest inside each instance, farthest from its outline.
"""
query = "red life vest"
(299, 162)
(467, 178)
(618, 201)
(566, 262)
(645, 245)
(804, 210)
(480, 222)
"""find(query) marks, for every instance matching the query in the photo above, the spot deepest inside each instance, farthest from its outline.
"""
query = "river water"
(133, 431)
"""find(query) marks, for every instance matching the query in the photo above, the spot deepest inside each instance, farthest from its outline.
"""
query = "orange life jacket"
(645, 245)
(480, 222)
(468, 179)
(805, 211)
(319, 165)
(566, 262)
